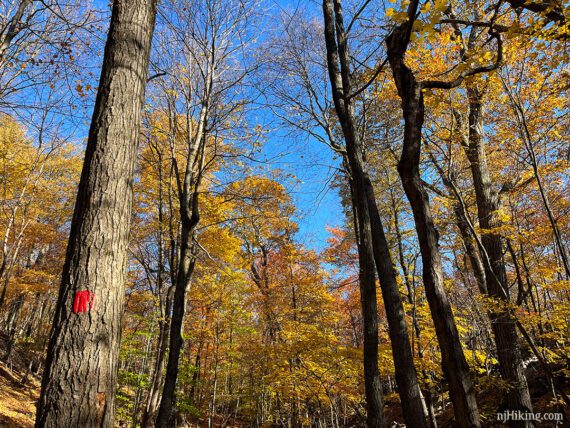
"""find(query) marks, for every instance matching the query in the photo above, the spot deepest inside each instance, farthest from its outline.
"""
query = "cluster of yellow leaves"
(38, 184)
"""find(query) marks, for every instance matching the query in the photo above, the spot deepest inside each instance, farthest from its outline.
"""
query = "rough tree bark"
(488, 204)
(402, 353)
(367, 283)
(78, 387)
(454, 364)
(373, 249)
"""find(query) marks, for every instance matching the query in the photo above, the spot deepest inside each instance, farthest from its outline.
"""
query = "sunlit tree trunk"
(79, 382)
(189, 218)
(503, 322)
(454, 364)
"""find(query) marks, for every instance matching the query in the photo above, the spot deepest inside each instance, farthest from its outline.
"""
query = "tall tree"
(212, 36)
(491, 252)
(155, 239)
(79, 380)
(372, 244)
(411, 91)
(298, 88)
(488, 208)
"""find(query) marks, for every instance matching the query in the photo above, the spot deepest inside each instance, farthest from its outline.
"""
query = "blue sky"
(313, 165)
(309, 161)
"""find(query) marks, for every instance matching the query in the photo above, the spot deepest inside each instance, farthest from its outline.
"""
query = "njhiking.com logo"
(520, 415)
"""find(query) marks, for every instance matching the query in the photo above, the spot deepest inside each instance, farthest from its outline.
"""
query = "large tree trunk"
(427, 401)
(79, 382)
(502, 320)
(406, 374)
(373, 249)
(454, 364)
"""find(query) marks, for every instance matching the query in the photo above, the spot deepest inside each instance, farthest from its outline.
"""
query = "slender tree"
(78, 386)
(488, 202)
(410, 90)
(298, 88)
(488, 205)
(212, 35)
(373, 249)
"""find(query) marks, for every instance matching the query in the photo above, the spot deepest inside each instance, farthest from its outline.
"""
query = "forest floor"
(17, 400)
(19, 388)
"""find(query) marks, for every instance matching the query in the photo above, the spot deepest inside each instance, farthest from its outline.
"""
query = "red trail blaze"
(83, 301)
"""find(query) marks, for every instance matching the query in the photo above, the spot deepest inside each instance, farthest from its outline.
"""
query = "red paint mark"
(83, 301)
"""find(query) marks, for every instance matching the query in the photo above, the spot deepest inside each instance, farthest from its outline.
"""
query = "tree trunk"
(454, 364)
(165, 298)
(373, 249)
(189, 219)
(78, 387)
(13, 27)
(406, 375)
(8, 262)
(165, 417)
(367, 282)
(196, 374)
(471, 249)
(502, 321)
(153, 399)
(465, 226)
(12, 324)
(138, 395)
(427, 400)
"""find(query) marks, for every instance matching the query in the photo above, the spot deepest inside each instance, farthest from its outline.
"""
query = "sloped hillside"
(18, 395)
